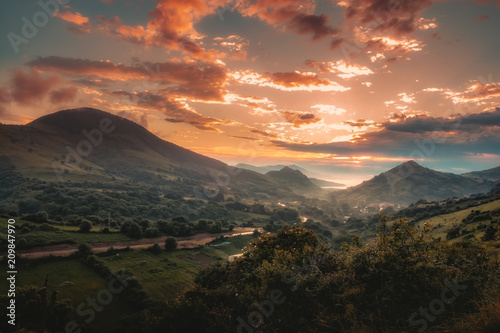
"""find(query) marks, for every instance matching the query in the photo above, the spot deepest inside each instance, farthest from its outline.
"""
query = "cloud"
(171, 25)
(394, 47)
(311, 24)
(175, 110)
(29, 88)
(476, 92)
(299, 118)
(180, 112)
(63, 95)
(360, 123)
(235, 46)
(113, 22)
(4, 96)
(196, 80)
(75, 18)
(288, 81)
(76, 22)
(383, 29)
(328, 109)
(395, 17)
(407, 98)
(257, 104)
(417, 137)
(484, 2)
(342, 68)
(4, 99)
(292, 15)
(140, 118)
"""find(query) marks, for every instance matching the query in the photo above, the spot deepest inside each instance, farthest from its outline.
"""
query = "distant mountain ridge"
(410, 182)
(492, 174)
(294, 179)
(265, 169)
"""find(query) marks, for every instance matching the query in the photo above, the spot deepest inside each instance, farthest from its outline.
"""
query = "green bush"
(170, 244)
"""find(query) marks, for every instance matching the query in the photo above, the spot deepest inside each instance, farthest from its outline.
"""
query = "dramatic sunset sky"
(339, 87)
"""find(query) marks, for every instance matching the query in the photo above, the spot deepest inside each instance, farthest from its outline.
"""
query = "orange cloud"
(398, 17)
(476, 92)
(63, 95)
(300, 118)
(75, 18)
(288, 81)
(293, 15)
(77, 23)
(171, 25)
(29, 88)
(197, 81)
(235, 45)
(342, 68)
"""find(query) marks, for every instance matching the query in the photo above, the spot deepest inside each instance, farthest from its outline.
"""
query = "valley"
(94, 194)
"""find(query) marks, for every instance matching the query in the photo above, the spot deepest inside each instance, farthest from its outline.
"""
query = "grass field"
(166, 275)
(163, 277)
(443, 223)
(448, 220)
(72, 280)
(65, 235)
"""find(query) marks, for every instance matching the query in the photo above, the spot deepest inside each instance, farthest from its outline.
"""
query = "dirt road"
(63, 250)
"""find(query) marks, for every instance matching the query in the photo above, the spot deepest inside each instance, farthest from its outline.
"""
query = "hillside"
(86, 144)
(410, 182)
(492, 174)
(293, 179)
(265, 169)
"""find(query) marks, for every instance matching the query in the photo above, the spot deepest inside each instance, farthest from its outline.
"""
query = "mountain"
(265, 169)
(293, 179)
(87, 144)
(410, 182)
(492, 174)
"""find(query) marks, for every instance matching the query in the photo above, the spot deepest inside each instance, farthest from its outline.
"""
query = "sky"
(346, 89)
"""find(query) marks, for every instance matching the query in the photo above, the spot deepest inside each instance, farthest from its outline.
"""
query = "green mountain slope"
(91, 145)
(409, 182)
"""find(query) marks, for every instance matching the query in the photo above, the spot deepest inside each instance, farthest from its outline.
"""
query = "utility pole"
(109, 220)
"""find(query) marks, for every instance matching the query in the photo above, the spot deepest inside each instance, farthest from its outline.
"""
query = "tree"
(42, 217)
(85, 226)
(489, 234)
(215, 228)
(299, 284)
(131, 229)
(154, 249)
(170, 244)
(151, 232)
(84, 250)
(135, 231)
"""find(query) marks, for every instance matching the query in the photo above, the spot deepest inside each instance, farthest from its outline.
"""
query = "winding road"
(63, 250)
